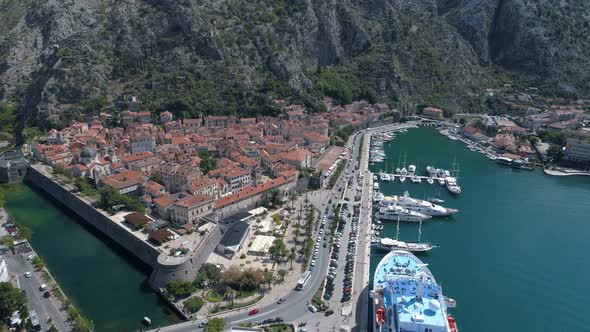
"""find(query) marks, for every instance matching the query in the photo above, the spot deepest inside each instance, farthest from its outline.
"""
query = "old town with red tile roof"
(254, 155)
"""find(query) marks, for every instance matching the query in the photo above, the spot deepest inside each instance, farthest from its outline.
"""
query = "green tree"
(7, 117)
(555, 152)
(269, 278)
(11, 299)
(277, 250)
(207, 161)
(83, 325)
(180, 288)
(282, 274)
(291, 257)
(157, 177)
(38, 262)
(216, 324)
(193, 304)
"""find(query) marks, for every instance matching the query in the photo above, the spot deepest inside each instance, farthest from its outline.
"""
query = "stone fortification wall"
(164, 269)
(168, 268)
(94, 217)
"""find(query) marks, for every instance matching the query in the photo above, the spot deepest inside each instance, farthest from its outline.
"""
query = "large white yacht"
(407, 298)
(395, 212)
(416, 205)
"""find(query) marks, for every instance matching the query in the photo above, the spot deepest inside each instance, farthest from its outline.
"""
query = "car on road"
(28, 274)
(46, 295)
(43, 287)
(253, 312)
(312, 262)
(31, 256)
(312, 308)
(329, 312)
(203, 323)
(281, 300)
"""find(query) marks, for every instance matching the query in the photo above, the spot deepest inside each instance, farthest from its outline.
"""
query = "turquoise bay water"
(105, 282)
(514, 257)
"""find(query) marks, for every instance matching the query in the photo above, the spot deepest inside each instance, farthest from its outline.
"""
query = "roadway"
(45, 308)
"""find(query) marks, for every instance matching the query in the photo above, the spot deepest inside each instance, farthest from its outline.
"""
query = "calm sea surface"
(515, 256)
(105, 282)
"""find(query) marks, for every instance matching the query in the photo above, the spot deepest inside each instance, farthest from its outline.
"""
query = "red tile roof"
(250, 192)
(192, 200)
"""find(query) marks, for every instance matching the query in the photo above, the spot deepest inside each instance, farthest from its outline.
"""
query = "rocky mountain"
(62, 57)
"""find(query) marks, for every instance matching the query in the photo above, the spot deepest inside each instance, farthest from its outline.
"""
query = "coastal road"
(45, 308)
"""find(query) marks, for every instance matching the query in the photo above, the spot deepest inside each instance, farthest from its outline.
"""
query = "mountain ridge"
(65, 57)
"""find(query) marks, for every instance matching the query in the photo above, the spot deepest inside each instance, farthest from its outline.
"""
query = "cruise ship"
(406, 297)
(417, 205)
(395, 212)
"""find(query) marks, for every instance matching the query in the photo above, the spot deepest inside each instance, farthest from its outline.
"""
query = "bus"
(35, 320)
(304, 279)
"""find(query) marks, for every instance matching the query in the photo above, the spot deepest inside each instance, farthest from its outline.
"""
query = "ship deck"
(400, 272)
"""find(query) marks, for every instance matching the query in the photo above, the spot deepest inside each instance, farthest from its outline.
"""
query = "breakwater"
(164, 267)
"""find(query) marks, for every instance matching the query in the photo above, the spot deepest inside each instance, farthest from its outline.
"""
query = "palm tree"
(282, 274)
(268, 278)
(292, 256)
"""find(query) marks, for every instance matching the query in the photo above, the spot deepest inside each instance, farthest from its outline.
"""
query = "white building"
(577, 149)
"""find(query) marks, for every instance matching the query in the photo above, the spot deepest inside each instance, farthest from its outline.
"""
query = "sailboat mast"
(420, 231)
(397, 230)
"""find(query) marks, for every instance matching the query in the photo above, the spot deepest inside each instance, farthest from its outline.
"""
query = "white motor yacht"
(396, 212)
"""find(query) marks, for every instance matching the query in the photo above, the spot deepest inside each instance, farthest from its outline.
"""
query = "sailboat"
(403, 171)
(391, 244)
(451, 181)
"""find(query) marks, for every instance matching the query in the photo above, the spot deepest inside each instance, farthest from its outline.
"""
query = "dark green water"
(106, 283)
(515, 256)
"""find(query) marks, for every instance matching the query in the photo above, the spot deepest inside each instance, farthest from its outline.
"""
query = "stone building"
(13, 167)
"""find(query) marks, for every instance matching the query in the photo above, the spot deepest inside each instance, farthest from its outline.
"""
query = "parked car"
(329, 312)
(28, 274)
(253, 312)
(312, 308)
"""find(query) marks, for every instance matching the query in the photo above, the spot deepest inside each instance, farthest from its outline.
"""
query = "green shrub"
(193, 304)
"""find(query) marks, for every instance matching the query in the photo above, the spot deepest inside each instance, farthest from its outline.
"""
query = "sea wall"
(165, 268)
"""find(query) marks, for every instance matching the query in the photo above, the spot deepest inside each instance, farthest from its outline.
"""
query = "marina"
(495, 251)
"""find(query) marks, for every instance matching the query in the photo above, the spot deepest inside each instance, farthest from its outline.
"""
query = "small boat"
(431, 171)
(441, 181)
(430, 180)
(411, 169)
(415, 179)
(451, 303)
(402, 178)
(435, 200)
(147, 321)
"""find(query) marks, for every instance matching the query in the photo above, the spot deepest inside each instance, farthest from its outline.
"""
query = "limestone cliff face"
(544, 41)
(232, 56)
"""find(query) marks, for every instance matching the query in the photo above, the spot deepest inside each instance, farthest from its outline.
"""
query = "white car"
(312, 308)
(31, 256)
(28, 274)
(312, 262)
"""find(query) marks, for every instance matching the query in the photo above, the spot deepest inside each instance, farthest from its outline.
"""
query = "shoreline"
(561, 173)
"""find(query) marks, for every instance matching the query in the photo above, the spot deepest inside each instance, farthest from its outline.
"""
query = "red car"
(253, 312)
